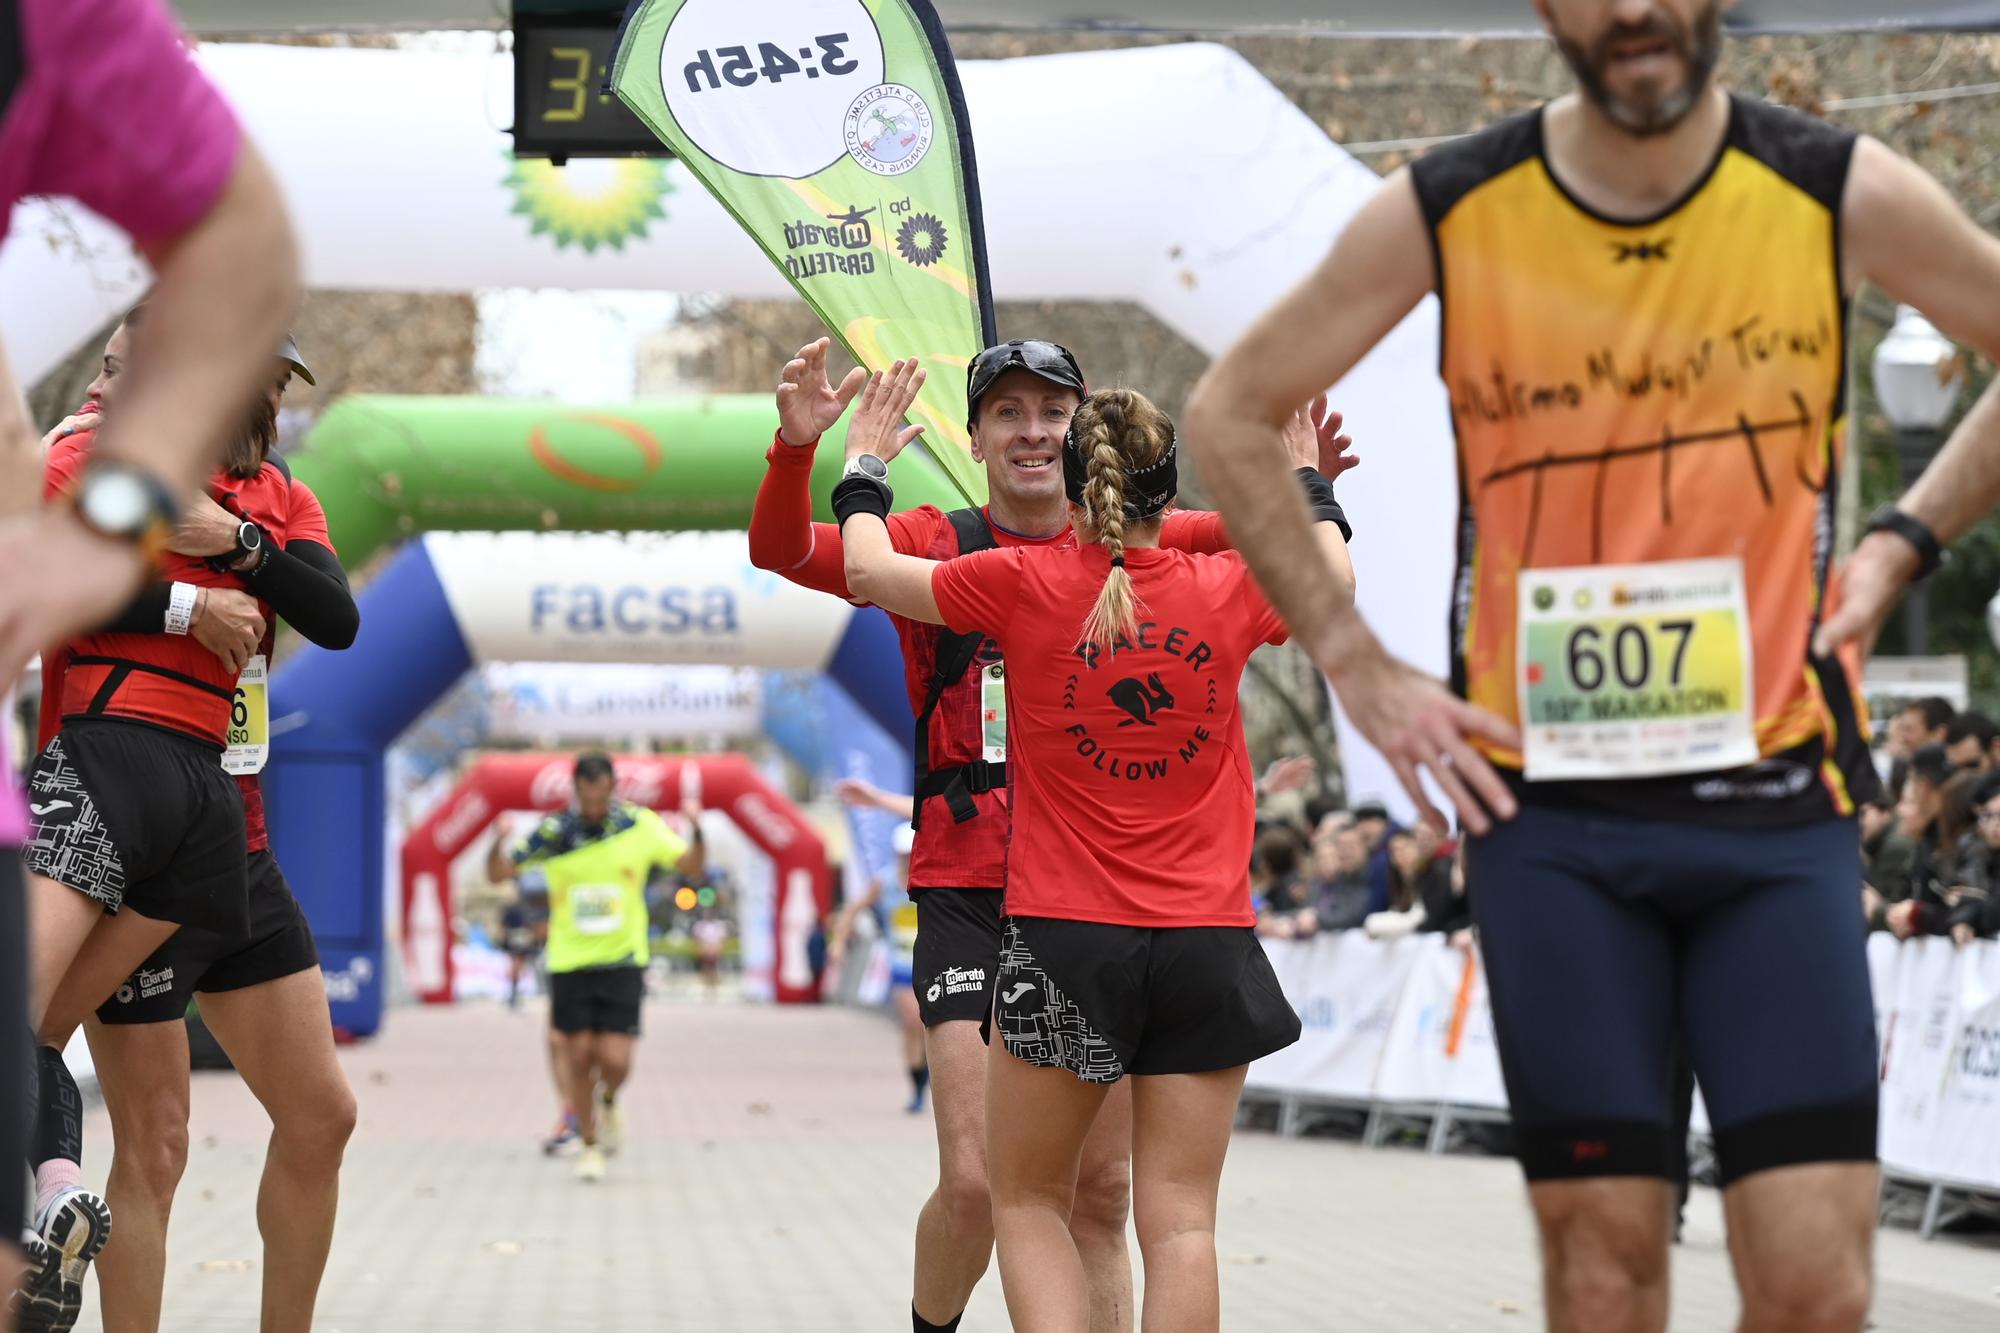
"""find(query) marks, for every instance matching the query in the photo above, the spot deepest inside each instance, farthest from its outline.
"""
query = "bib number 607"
(1628, 655)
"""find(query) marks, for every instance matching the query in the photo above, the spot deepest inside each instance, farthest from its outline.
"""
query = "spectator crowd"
(1319, 867)
(1931, 846)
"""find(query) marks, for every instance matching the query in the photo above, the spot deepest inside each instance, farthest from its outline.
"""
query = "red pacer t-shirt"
(1134, 802)
(783, 537)
(287, 510)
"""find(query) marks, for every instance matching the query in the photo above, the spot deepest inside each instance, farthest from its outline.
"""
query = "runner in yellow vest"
(595, 859)
(1643, 290)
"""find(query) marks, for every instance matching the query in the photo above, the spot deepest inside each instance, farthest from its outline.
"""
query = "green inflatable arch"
(387, 468)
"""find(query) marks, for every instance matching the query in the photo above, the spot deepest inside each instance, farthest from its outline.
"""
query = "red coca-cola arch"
(500, 782)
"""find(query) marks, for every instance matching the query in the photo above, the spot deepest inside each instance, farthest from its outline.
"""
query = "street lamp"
(1918, 377)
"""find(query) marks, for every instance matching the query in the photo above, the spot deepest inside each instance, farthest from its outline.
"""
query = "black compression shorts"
(1609, 941)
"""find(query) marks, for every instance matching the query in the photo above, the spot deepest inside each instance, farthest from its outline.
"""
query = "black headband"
(1148, 490)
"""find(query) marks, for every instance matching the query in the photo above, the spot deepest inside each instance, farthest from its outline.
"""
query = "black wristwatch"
(866, 465)
(127, 503)
(863, 488)
(250, 547)
(1930, 552)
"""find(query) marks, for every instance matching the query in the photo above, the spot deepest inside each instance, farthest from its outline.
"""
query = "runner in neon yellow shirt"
(595, 858)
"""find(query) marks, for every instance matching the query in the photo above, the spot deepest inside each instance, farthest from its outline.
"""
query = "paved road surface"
(772, 1180)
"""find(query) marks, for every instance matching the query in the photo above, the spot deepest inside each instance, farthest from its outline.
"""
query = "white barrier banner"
(1474, 1077)
(1941, 1063)
(1885, 962)
(1919, 1046)
(1344, 987)
(1430, 1029)
(1408, 1022)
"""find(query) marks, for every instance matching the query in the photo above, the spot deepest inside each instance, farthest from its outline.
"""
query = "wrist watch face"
(248, 538)
(114, 502)
(868, 465)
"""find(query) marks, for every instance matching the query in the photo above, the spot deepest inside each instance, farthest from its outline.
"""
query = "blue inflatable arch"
(448, 601)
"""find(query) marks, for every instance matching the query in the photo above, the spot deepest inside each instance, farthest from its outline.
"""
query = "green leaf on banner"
(831, 131)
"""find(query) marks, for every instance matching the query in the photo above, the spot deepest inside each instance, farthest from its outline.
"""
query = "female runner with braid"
(1130, 946)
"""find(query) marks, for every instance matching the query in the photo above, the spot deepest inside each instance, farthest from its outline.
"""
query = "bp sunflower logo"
(921, 239)
(590, 202)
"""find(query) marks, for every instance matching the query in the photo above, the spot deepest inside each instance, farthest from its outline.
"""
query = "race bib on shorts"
(249, 740)
(596, 909)
(903, 931)
(1634, 671)
(993, 713)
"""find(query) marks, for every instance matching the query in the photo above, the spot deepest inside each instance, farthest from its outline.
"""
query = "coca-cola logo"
(755, 813)
(641, 784)
(464, 821)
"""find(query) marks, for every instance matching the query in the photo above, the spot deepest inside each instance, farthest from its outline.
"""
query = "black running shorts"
(957, 953)
(597, 999)
(137, 816)
(278, 944)
(1610, 941)
(1106, 1001)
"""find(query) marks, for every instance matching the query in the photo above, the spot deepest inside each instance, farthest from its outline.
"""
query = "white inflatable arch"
(1176, 177)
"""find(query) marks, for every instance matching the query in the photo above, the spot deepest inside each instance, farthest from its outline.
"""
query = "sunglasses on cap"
(1038, 356)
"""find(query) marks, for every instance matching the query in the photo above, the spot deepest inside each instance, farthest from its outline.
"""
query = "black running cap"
(1038, 356)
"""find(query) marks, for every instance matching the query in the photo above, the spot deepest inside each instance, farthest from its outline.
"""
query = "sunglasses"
(1052, 361)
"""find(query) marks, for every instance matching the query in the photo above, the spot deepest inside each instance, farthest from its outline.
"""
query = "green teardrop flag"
(835, 132)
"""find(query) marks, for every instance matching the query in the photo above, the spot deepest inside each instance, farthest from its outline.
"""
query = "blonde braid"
(1103, 439)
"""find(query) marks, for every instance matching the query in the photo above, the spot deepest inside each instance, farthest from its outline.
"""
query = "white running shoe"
(72, 1230)
(610, 1125)
(590, 1165)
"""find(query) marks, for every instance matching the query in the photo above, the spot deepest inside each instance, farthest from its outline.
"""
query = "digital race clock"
(561, 62)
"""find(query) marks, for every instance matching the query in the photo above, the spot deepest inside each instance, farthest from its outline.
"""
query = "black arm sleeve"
(1319, 494)
(147, 613)
(305, 584)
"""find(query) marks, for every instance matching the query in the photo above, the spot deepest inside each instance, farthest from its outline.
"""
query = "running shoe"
(565, 1141)
(916, 1103)
(72, 1230)
(40, 1258)
(610, 1125)
(590, 1166)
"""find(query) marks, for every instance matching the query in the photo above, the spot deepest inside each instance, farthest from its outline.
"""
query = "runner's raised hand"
(878, 427)
(808, 404)
(1313, 439)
